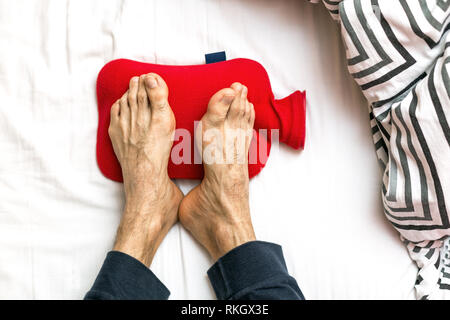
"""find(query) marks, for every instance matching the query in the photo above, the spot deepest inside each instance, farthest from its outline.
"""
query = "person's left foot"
(142, 130)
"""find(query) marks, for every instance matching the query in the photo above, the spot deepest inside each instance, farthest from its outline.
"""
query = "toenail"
(135, 79)
(227, 99)
(151, 82)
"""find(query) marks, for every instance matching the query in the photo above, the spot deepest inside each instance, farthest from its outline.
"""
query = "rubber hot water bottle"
(190, 89)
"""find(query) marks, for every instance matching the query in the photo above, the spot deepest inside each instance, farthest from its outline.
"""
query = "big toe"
(157, 91)
(220, 103)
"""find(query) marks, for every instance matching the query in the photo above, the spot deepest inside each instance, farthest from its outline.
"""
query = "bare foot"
(142, 129)
(217, 211)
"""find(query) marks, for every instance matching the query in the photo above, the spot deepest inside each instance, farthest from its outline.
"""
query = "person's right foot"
(217, 211)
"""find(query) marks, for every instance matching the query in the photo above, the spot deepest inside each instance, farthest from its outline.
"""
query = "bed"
(59, 214)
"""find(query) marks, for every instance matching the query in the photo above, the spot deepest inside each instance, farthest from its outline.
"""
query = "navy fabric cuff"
(122, 277)
(248, 267)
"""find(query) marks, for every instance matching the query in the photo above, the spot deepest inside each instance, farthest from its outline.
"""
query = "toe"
(237, 86)
(247, 111)
(244, 103)
(115, 112)
(144, 111)
(220, 103)
(124, 107)
(132, 95)
(115, 119)
(243, 90)
(251, 120)
(237, 108)
(157, 91)
(142, 97)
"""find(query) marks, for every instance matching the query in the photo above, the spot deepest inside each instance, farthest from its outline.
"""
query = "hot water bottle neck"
(191, 88)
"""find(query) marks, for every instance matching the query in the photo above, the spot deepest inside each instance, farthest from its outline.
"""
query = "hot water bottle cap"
(191, 88)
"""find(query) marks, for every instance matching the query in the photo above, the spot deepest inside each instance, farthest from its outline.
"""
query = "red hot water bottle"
(191, 88)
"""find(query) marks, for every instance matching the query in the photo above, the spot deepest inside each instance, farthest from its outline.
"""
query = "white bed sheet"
(58, 214)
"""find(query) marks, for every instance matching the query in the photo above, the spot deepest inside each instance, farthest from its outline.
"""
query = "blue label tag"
(216, 57)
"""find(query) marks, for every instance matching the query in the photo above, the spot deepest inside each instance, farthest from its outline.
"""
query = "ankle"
(228, 237)
(138, 236)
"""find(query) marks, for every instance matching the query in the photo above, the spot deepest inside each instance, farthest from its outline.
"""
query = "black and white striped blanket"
(398, 52)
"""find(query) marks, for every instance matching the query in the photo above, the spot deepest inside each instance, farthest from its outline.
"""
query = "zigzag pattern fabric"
(399, 54)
